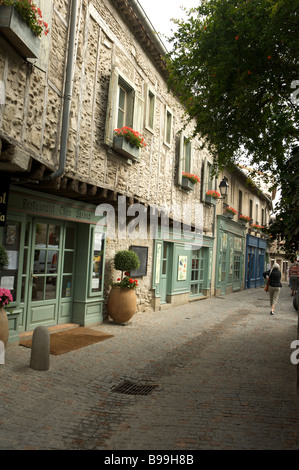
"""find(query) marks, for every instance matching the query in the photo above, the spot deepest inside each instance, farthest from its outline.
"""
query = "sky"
(160, 13)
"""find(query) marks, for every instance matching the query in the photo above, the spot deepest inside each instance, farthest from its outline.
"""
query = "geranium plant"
(256, 226)
(30, 13)
(245, 218)
(230, 210)
(134, 137)
(191, 177)
(213, 194)
(5, 297)
(126, 282)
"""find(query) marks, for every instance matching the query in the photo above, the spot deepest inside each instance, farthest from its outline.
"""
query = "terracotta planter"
(4, 328)
(121, 304)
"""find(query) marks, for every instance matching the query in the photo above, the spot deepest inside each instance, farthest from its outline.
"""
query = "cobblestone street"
(221, 367)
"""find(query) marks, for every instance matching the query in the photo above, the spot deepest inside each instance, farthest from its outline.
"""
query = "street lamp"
(223, 187)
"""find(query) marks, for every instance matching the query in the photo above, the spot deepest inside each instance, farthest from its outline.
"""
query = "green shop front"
(231, 244)
(56, 253)
(182, 269)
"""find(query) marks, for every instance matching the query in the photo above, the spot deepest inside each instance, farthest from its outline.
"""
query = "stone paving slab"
(224, 376)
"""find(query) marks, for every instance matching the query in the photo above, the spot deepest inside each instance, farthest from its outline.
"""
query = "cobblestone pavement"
(223, 376)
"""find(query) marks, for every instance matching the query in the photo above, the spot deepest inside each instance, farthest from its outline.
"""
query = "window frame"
(134, 106)
(182, 157)
(208, 183)
(168, 126)
(150, 109)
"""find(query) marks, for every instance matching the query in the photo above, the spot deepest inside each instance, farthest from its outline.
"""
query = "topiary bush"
(126, 260)
(3, 257)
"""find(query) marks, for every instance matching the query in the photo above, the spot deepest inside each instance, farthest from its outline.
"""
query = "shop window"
(97, 265)
(197, 272)
(237, 267)
(68, 262)
(11, 243)
(125, 106)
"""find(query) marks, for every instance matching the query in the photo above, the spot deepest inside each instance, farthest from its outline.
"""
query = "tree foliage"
(234, 65)
(286, 222)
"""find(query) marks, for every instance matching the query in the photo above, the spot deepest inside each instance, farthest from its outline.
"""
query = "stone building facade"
(57, 121)
(74, 192)
(242, 246)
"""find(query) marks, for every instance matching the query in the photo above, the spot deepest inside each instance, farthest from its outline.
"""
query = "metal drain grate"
(130, 388)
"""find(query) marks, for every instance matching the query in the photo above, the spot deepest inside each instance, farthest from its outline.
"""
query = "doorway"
(165, 275)
(49, 257)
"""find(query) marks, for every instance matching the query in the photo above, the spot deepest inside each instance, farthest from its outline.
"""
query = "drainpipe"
(148, 26)
(67, 95)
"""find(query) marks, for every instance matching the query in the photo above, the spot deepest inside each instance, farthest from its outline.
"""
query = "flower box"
(124, 147)
(187, 184)
(18, 33)
(229, 215)
(210, 200)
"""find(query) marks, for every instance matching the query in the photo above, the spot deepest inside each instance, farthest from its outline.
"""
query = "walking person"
(294, 277)
(275, 285)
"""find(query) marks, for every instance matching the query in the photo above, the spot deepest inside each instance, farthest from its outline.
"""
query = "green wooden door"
(45, 267)
(164, 272)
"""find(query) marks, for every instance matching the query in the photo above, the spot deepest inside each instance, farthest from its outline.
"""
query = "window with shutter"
(185, 158)
(125, 108)
(168, 126)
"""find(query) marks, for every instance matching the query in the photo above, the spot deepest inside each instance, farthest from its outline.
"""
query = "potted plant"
(122, 299)
(230, 212)
(189, 180)
(22, 24)
(3, 258)
(5, 299)
(128, 142)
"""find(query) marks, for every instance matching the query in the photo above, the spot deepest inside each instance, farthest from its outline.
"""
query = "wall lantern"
(223, 187)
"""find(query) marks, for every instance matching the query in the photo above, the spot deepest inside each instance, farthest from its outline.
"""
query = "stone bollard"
(40, 349)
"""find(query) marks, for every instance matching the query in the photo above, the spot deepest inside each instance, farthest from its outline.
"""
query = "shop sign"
(4, 191)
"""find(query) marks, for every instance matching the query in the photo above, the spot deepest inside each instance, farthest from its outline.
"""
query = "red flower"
(237, 37)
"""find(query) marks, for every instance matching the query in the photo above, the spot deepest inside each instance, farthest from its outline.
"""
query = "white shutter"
(181, 159)
(138, 117)
(111, 115)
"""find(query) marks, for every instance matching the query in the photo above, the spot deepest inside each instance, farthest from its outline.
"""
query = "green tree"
(234, 65)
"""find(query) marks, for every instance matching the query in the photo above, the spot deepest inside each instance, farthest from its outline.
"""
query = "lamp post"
(223, 187)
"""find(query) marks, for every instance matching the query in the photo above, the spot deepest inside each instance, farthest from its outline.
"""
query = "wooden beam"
(38, 173)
